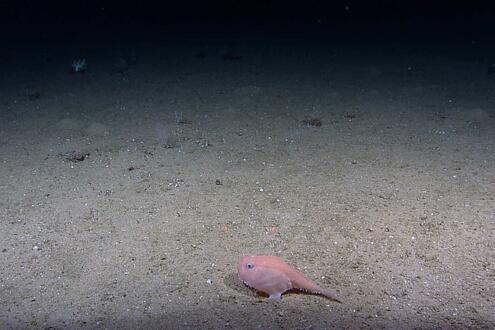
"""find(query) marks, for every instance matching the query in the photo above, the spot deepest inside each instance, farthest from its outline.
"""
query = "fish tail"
(330, 295)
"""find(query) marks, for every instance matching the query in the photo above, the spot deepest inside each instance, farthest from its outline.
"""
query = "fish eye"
(250, 265)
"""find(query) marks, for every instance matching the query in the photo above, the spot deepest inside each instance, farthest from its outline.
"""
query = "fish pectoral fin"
(275, 296)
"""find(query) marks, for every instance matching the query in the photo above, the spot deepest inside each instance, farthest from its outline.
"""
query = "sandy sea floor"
(129, 193)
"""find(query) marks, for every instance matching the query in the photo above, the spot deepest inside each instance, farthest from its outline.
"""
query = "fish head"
(255, 270)
(265, 273)
(248, 270)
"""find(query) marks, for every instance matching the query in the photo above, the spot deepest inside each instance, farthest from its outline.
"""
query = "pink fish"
(273, 276)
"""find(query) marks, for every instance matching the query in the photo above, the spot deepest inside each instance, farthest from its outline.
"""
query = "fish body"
(273, 276)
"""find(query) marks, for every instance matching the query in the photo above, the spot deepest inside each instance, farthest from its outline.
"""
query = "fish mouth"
(247, 284)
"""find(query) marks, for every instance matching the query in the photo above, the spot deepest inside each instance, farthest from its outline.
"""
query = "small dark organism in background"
(75, 156)
(312, 121)
(350, 115)
(439, 116)
(218, 182)
(34, 96)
